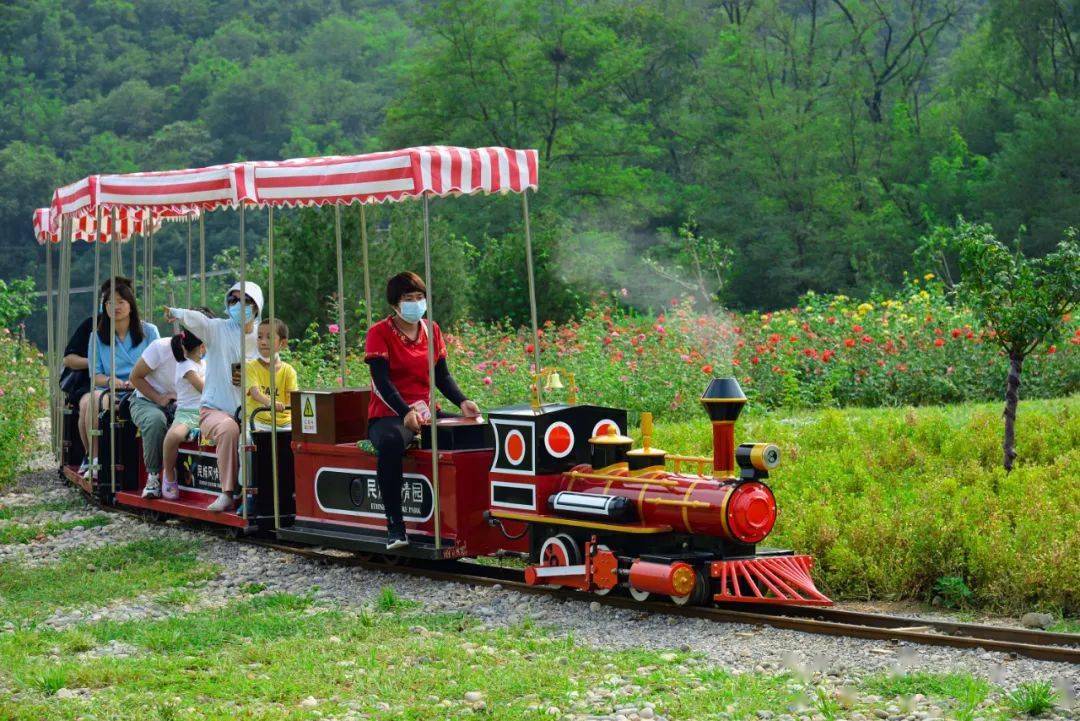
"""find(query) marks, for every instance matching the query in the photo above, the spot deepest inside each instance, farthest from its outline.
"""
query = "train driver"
(397, 354)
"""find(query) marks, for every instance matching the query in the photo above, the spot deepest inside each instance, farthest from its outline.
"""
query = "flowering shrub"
(23, 400)
(915, 349)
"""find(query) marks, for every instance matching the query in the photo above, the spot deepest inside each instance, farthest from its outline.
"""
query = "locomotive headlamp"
(759, 456)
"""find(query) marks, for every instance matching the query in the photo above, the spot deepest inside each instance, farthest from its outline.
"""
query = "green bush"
(889, 501)
(1032, 698)
(23, 401)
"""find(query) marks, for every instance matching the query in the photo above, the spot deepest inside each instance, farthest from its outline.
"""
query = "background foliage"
(811, 143)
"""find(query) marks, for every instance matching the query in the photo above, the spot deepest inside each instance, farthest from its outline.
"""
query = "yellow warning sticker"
(308, 421)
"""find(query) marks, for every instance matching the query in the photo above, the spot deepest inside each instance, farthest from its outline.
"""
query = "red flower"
(774, 338)
(755, 360)
(867, 339)
(487, 380)
(777, 369)
(939, 342)
(881, 363)
(856, 328)
(530, 348)
(849, 342)
(793, 339)
(1052, 349)
(809, 352)
(826, 355)
(706, 369)
(607, 340)
(831, 320)
(956, 332)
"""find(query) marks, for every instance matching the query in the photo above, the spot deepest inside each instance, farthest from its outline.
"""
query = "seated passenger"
(188, 351)
(155, 398)
(397, 353)
(221, 391)
(273, 338)
(132, 338)
(75, 378)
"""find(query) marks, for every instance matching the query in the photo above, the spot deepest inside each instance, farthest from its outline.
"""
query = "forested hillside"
(742, 150)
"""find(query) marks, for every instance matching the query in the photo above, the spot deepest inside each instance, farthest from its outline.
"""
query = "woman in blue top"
(132, 337)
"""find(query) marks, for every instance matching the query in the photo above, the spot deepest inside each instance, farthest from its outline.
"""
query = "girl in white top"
(190, 371)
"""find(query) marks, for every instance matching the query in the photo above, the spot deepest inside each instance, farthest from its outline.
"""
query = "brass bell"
(554, 382)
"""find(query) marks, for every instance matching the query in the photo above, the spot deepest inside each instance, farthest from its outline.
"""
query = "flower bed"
(829, 351)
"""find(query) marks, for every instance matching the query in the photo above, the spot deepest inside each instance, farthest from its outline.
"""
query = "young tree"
(1022, 299)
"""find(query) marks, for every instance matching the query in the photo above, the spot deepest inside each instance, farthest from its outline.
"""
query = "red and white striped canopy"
(333, 180)
(128, 222)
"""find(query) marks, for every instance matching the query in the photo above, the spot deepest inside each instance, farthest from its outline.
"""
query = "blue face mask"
(235, 313)
(411, 311)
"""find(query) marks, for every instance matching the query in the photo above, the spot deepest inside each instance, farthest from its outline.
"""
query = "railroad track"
(1043, 645)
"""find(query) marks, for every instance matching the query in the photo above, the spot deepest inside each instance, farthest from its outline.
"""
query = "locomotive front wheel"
(559, 550)
(698, 596)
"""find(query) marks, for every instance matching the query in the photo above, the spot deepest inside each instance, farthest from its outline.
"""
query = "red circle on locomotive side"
(515, 447)
(602, 427)
(559, 440)
(751, 512)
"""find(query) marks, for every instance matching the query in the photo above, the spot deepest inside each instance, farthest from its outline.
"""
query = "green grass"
(27, 532)
(73, 503)
(890, 501)
(261, 657)
(95, 577)
(963, 692)
(1032, 698)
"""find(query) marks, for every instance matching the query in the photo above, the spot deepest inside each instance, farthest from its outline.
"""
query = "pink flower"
(334, 328)
(624, 292)
(487, 380)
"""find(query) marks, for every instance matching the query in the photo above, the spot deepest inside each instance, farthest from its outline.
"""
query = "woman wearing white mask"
(221, 396)
(397, 353)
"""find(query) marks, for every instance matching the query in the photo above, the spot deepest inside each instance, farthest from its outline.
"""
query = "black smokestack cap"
(723, 399)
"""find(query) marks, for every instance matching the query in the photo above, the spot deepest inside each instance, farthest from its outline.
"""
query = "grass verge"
(890, 501)
(30, 594)
(27, 532)
(284, 657)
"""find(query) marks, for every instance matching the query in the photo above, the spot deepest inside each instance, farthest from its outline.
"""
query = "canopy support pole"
(150, 271)
(367, 273)
(532, 295)
(187, 268)
(244, 436)
(202, 262)
(273, 365)
(50, 341)
(340, 295)
(114, 270)
(92, 427)
(135, 262)
(62, 311)
(431, 376)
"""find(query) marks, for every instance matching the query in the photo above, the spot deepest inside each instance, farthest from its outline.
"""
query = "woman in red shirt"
(397, 354)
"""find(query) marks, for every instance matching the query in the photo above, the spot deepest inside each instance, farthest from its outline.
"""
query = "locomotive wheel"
(232, 533)
(698, 596)
(363, 556)
(559, 550)
(639, 595)
(155, 516)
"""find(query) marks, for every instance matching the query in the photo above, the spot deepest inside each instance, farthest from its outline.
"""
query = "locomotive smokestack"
(723, 401)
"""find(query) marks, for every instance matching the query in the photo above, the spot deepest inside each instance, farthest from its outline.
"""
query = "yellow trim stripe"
(558, 521)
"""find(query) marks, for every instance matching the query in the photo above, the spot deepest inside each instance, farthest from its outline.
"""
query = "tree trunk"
(1012, 398)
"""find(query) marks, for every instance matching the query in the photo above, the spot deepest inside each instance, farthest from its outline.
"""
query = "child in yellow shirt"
(273, 338)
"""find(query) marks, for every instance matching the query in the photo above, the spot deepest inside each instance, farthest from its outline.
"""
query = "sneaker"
(153, 486)
(249, 503)
(84, 466)
(223, 503)
(90, 471)
(170, 489)
(395, 536)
